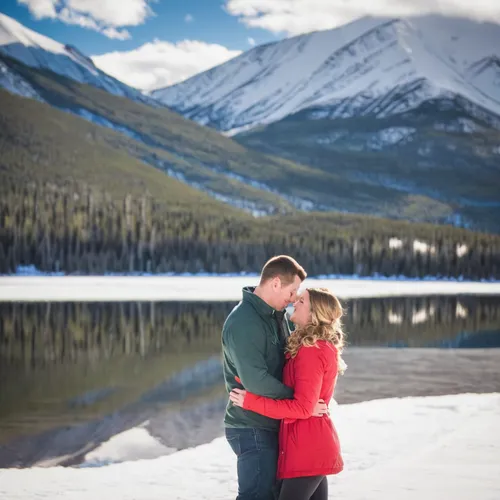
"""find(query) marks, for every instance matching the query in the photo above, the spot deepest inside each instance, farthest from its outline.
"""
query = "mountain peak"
(347, 70)
(13, 32)
(39, 51)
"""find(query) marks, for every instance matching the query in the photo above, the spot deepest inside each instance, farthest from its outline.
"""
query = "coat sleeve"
(247, 352)
(309, 369)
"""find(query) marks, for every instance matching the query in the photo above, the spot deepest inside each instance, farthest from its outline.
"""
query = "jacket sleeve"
(246, 350)
(309, 370)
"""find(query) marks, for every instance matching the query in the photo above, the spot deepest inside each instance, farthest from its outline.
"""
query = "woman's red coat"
(308, 446)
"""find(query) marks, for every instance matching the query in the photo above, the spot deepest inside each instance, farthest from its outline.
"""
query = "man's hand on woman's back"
(320, 409)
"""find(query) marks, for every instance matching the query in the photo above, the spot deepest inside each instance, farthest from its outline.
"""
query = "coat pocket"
(293, 433)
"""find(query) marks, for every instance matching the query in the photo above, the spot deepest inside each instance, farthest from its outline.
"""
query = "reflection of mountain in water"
(183, 411)
(73, 375)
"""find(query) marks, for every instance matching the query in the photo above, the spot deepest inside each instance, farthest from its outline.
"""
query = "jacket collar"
(263, 308)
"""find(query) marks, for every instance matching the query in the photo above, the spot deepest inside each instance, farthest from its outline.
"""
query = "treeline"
(41, 334)
(76, 229)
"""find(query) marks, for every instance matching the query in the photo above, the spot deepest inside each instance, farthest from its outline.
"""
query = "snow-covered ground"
(112, 288)
(434, 448)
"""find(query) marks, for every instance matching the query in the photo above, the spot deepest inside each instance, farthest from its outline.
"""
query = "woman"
(309, 448)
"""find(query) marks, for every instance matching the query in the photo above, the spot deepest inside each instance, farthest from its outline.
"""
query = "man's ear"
(277, 283)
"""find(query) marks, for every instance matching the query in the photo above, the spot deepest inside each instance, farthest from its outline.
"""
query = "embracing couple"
(280, 383)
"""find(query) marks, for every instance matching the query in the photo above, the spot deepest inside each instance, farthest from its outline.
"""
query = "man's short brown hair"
(284, 267)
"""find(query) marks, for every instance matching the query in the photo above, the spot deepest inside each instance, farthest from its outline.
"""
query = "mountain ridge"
(39, 51)
(362, 61)
(398, 164)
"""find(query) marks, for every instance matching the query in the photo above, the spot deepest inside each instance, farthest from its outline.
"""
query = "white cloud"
(302, 16)
(104, 16)
(113, 12)
(69, 16)
(40, 8)
(159, 63)
(112, 32)
(251, 41)
(189, 18)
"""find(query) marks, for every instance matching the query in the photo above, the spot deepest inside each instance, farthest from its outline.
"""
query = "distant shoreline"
(213, 288)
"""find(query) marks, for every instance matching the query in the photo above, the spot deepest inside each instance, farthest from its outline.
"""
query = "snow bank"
(114, 288)
(434, 448)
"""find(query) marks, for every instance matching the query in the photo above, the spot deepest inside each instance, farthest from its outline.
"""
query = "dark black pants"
(257, 454)
(304, 488)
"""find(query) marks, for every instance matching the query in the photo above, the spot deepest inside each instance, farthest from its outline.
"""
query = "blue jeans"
(257, 454)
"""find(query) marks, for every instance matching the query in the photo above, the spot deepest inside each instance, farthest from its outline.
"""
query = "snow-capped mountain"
(39, 51)
(370, 66)
(430, 154)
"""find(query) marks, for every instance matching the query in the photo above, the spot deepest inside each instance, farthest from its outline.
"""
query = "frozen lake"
(111, 387)
(73, 375)
(210, 288)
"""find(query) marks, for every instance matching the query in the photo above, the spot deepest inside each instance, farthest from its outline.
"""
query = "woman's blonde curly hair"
(325, 324)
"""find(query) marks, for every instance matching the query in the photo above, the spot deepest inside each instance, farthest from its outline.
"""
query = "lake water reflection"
(73, 375)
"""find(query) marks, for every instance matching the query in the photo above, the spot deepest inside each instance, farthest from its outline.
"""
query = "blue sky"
(171, 20)
(150, 44)
(145, 43)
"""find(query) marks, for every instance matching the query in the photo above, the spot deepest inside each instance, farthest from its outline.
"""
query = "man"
(253, 342)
